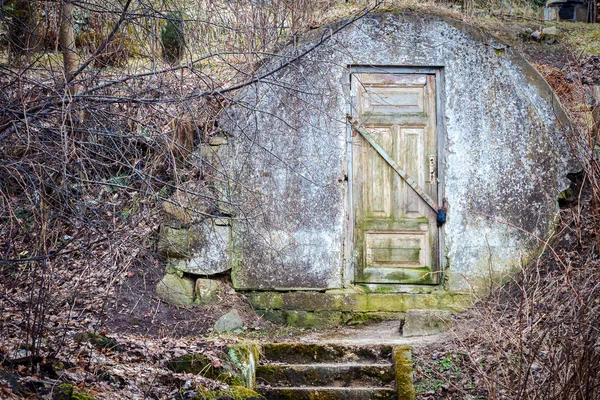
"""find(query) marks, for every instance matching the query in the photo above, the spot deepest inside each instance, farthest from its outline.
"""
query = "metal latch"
(432, 179)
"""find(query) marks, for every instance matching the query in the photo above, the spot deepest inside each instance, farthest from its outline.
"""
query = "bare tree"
(66, 38)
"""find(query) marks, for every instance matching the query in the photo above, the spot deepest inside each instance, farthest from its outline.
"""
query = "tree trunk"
(66, 38)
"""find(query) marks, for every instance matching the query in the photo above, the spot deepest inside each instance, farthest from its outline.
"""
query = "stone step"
(302, 353)
(328, 393)
(326, 374)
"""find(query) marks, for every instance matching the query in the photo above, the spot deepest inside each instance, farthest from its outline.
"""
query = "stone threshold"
(311, 309)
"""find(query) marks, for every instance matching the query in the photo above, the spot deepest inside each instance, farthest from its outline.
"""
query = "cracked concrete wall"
(505, 154)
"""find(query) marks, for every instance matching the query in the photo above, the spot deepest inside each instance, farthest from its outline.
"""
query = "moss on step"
(359, 318)
(301, 352)
(328, 309)
(245, 357)
(235, 393)
(66, 391)
(404, 372)
(307, 319)
(351, 301)
(200, 364)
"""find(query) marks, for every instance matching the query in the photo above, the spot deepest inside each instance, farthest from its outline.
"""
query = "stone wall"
(286, 173)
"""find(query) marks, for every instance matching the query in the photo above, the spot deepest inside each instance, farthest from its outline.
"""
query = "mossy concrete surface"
(358, 302)
(333, 371)
(245, 357)
(234, 392)
(369, 375)
(67, 391)
(402, 358)
(306, 309)
(305, 353)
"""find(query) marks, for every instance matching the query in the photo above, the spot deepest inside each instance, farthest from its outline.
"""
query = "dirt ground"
(145, 332)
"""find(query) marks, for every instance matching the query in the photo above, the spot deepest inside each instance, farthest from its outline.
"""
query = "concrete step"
(328, 393)
(301, 353)
(326, 374)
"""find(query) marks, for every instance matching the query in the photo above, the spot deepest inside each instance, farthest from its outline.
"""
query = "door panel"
(395, 232)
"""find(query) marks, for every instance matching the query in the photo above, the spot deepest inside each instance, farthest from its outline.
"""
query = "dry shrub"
(538, 337)
(85, 164)
(568, 92)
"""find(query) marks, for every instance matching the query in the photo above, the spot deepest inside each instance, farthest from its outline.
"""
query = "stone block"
(309, 319)
(190, 204)
(350, 301)
(177, 243)
(176, 290)
(210, 254)
(217, 140)
(230, 322)
(208, 291)
(426, 322)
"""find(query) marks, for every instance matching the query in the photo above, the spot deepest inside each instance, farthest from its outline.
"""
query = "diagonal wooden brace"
(403, 174)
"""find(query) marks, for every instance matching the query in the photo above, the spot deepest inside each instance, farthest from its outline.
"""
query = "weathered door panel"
(395, 232)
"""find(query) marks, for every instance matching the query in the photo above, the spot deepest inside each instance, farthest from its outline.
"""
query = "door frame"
(349, 252)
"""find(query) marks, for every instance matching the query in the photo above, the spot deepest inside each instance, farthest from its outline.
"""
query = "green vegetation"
(66, 391)
(583, 39)
(99, 341)
(173, 37)
(235, 393)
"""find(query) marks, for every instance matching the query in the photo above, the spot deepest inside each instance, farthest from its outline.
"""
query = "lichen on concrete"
(245, 356)
(203, 249)
(504, 154)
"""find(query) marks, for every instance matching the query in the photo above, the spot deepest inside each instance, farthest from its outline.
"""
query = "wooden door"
(395, 231)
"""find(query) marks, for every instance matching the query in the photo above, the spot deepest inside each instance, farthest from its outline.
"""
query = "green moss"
(245, 358)
(177, 243)
(270, 369)
(172, 37)
(99, 341)
(240, 392)
(200, 364)
(404, 372)
(66, 391)
(235, 392)
(311, 319)
(290, 304)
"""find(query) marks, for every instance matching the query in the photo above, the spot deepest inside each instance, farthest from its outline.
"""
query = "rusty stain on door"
(395, 232)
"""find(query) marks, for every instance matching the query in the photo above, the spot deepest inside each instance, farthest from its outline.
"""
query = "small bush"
(173, 38)
(22, 27)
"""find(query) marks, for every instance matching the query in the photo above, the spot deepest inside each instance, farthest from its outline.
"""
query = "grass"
(582, 38)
